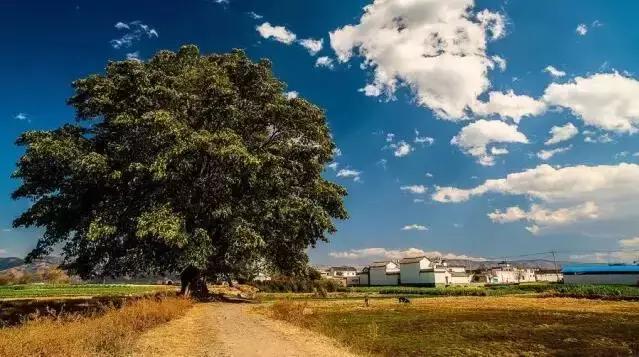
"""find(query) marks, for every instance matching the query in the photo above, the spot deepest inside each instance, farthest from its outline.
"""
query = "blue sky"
(426, 67)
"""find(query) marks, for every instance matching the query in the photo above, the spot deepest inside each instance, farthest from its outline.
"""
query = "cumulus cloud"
(333, 166)
(554, 72)
(324, 61)
(604, 192)
(630, 243)
(604, 100)
(414, 227)
(542, 217)
(384, 253)
(135, 56)
(436, 47)
(423, 140)
(254, 15)
(21, 116)
(415, 189)
(401, 148)
(291, 95)
(500, 62)
(547, 154)
(349, 173)
(509, 105)
(134, 32)
(278, 33)
(561, 133)
(313, 46)
(582, 29)
(474, 138)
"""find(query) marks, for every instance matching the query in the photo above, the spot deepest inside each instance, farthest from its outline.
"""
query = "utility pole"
(554, 259)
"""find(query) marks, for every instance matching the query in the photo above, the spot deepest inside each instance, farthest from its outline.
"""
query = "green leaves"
(182, 160)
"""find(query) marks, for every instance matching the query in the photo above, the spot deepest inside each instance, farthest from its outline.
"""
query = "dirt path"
(232, 330)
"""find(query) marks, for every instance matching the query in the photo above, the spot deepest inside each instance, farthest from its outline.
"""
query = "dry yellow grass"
(478, 326)
(109, 334)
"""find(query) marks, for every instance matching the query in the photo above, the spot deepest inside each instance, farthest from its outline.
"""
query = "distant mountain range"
(19, 264)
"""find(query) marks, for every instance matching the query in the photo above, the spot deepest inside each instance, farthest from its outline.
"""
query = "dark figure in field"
(193, 282)
(404, 300)
(366, 301)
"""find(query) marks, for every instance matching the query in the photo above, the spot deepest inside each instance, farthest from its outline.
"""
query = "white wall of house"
(410, 272)
(384, 275)
(549, 277)
(616, 279)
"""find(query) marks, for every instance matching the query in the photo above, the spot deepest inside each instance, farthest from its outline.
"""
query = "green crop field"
(80, 290)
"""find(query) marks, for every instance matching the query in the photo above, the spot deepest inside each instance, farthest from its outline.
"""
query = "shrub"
(288, 284)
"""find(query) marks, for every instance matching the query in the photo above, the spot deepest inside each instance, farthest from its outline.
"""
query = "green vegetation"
(583, 291)
(477, 326)
(287, 284)
(66, 290)
(184, 160)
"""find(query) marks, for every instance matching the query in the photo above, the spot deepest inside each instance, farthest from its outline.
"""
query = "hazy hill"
(10, 262)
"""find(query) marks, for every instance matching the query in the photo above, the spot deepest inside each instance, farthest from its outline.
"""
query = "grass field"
(479, 326)
(111, 332)
(70, 290)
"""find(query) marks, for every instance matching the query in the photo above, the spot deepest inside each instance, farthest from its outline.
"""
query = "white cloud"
(135, 31)
(21, 116)
(415, 189)
(581, 29)
(500, 62)
(414, 227)
(121, 26)
(390, 137)
(423, 140)
(630, 243)
(135, 56)
(612, 189)
(554, 72)
(278, 33)
(3, 252)
(333, 166)
(337, 152)
(541, 217)
(313, 46)
(324, 61)
(348, 173)
(428, 174)
(436, 47)
(291, 95)
(547, 154)
(509, 105)
(604, 100)
(254, 15)
(384, 253)
(474, 138)
(603, 139)
(498, 151)
(401, 148)
(561, 133)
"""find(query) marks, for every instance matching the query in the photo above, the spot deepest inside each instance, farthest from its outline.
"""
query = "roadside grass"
(110, 333)
(480, 326)
(66, 290)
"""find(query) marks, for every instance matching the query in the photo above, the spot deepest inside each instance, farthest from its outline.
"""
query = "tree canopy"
(184, 159)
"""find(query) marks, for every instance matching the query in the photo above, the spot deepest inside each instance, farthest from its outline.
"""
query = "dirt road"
(232, 330)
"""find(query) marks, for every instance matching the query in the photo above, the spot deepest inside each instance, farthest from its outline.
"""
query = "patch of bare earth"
(232, 330)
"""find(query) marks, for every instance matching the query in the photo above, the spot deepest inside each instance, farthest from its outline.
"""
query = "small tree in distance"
(181, 161)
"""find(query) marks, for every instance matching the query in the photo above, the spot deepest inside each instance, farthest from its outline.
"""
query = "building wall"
(549, 277)
(363, 279)
(618, 279)
(379, 276)
(352, 280)
(410, 272)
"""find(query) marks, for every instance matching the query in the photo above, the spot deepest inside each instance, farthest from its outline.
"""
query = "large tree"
(185, 160)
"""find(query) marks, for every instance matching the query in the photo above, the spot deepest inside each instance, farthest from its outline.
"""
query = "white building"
(549, 276)
(383, 273)
(423, 271)
(601, 274)
(363, 277)
(342, 272)
(504, 273)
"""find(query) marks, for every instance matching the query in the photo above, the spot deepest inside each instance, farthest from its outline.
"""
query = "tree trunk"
(193, 283)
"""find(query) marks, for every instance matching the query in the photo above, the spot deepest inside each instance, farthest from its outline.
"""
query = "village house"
(505, 273)
(383, 273)
(342, 272)
(549, 276)
(426, 272)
